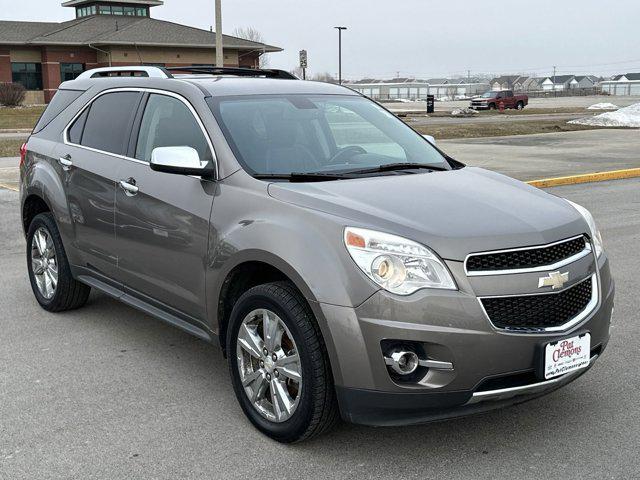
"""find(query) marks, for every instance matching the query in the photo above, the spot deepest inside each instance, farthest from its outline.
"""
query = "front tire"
(279, 364)
(53, 285)
(519, 106)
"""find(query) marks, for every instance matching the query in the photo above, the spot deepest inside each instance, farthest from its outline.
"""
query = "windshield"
(287, 134)
(489, 94)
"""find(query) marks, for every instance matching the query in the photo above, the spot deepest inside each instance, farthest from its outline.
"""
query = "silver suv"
(346, 265)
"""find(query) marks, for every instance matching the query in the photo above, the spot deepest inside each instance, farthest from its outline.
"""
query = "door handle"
(129, 186)
(65, 162)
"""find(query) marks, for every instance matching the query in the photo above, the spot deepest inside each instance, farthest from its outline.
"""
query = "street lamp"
(219, 46)
(340, 29)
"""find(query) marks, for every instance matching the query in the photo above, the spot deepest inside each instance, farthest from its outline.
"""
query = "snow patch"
(463, 112)
(603, 106)
(625, 117)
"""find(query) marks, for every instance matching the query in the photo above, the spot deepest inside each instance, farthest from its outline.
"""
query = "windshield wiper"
(390, 167)
(304, 176)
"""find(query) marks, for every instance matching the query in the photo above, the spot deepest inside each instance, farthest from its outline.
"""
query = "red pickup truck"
(492, 100)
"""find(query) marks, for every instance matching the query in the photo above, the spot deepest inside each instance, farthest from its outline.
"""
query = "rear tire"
(519, 106)
(492, 106)
(313, 397)
(53, 285)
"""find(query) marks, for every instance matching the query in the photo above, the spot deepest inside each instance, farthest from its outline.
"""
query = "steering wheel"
(336, 158)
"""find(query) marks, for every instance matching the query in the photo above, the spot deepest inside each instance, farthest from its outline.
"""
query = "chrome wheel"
(269, 365)
(43, 263)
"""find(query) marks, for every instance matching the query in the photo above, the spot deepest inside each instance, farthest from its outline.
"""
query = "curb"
(586, 178)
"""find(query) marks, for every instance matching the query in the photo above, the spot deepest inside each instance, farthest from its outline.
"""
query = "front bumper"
(492, 367)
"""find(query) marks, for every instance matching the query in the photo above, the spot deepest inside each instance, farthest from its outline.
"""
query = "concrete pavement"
(106, 392)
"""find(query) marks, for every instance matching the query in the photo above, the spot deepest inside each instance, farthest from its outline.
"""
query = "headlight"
(595, 233)
(397, 264)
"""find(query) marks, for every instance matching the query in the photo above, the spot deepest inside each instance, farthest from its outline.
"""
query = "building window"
(129, 11)
(142, 12)
(117, 10)
(70, 71)
(29, 75)
(105, 9)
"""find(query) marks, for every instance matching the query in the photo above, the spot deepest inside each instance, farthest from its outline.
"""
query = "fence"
(571, 92)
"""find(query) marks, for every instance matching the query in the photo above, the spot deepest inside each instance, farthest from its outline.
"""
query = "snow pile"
(463, 112)
(625, 117)
(603, 106)
(402, 100)
(443, 99)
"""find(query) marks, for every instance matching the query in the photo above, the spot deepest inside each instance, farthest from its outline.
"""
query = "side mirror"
(179, 160)
(430, 139)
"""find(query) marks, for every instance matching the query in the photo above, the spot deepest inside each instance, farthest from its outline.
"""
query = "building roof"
(561, 79)
(150, 3)
(509, 79)
(591, 78)
(119, 30)
(632, 76)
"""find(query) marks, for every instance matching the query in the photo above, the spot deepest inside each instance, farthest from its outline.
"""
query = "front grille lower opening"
(539, 311)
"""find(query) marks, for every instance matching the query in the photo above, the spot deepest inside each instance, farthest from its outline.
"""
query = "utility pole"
(219, 46)
(468, 76)
(554, 80)
(340, 29)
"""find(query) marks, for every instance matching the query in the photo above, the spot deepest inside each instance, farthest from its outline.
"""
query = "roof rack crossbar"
(238, 71)
(152, 72)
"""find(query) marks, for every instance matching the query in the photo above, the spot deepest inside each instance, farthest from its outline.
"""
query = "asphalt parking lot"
(529, 157)
(107, 392)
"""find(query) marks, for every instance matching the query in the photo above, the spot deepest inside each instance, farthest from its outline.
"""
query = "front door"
(162, 220)
(89, 159)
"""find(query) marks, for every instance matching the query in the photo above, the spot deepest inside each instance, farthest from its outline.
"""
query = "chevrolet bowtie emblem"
(554, 280)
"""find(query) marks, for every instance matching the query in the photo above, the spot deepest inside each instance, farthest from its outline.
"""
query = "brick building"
(41, 55)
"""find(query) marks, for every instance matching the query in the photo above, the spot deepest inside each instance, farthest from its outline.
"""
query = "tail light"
(23, 153)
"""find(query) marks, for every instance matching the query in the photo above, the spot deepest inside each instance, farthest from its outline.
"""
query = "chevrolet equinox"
(346, 265)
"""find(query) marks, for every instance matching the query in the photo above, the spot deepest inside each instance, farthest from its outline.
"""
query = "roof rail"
(237, 71)
(153, 72)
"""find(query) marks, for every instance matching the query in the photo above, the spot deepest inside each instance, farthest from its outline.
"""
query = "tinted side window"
(109, 121)
(167, 122)
(75, 132)
(61, 100)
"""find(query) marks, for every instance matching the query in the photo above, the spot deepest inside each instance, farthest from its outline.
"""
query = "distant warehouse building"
(415, 89)
(41, 55)
(627, 84)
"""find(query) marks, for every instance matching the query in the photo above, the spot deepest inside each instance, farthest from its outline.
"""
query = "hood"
(454, 213)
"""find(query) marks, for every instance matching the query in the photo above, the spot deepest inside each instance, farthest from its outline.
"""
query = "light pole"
(219, 46)
(340, 29)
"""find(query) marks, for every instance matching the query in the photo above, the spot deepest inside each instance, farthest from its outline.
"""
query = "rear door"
(93, 147)
(162, 224)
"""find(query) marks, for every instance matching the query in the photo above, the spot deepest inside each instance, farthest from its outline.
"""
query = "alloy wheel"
(43, 263)
(269, 365)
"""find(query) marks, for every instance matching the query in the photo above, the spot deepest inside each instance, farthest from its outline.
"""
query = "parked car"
(345, 265)
(493, 101)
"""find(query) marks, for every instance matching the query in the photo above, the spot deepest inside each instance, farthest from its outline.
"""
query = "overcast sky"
(421, 38)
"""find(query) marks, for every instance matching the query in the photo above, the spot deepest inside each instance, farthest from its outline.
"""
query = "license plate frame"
(565, 355)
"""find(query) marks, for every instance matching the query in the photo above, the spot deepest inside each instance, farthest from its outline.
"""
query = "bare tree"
(324, 77)
(250, 33)
(297, 71)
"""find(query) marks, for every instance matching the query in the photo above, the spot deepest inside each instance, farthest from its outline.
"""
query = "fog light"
(403, 362)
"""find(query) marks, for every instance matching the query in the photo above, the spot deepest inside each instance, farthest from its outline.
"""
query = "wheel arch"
(246, 270)
(32, 205)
